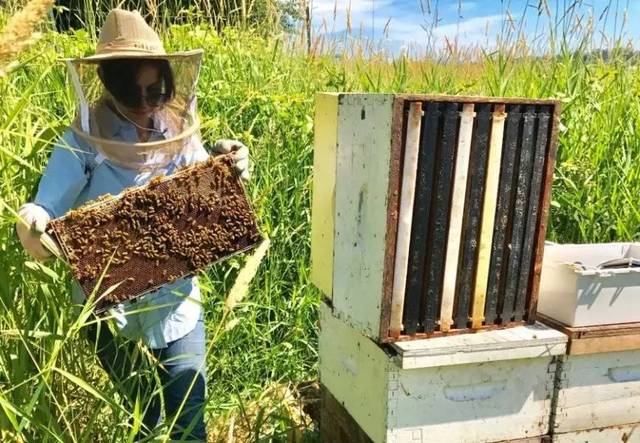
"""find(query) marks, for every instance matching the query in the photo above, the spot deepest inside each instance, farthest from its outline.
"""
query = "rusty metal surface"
(148, 236)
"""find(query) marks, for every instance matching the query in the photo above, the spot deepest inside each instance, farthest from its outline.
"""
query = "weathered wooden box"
(484, 387)
(576, 291)
(623, 434)
(597, 396)
(598, 391)
(429, 212)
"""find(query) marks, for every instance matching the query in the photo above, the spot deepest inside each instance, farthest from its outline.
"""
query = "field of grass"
(261, 90)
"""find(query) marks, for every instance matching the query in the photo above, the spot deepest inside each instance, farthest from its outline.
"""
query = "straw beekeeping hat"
(125, 35)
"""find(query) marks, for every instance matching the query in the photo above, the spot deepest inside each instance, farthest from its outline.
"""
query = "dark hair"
(119, 78)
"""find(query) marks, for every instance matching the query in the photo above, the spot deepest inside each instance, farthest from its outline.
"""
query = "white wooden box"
(627, 434)
(484, 387)
(597, 391)
(577, 296)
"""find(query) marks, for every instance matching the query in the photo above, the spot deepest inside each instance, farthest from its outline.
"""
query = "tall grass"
(260, 89)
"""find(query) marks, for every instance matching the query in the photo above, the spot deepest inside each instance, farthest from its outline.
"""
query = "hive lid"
(527, 341)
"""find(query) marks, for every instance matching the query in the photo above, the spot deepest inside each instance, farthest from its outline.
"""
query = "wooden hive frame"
(373, 137)
(126, 246)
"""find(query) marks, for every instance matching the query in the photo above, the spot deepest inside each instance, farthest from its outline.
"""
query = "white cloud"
(323, 7)
(406, 27)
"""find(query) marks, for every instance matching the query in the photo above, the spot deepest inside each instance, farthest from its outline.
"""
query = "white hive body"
(625, 433)
(590, 292)
(598, 391)
(485, 387)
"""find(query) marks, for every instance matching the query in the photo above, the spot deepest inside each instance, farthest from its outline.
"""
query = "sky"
(418, 24)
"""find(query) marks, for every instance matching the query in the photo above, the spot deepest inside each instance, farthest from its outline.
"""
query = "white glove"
(30, 227)
(240, 155)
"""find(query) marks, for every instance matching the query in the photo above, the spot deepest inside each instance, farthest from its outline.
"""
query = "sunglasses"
(154, 95)
(134, 96)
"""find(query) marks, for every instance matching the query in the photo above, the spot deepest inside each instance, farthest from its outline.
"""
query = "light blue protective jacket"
(75, 174)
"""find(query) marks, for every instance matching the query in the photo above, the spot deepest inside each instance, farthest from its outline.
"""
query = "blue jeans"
(182, 374)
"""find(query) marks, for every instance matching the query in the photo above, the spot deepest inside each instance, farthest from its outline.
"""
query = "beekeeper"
(136, 119)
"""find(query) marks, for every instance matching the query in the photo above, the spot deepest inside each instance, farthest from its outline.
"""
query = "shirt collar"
(117, 128)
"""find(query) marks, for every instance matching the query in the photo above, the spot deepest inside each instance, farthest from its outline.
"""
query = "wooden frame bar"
(456, 215)
(488, 216)
(533, 211)
(502, 217)
(437, 245)
(424, 192)
(473, 213)
(520, 205)
(545, 200)
(409, 172)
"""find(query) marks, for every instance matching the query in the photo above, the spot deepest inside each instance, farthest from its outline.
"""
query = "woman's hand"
(240, 155)
(30, 227)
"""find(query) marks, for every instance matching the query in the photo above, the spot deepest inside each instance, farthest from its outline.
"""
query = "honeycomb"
(151, 235)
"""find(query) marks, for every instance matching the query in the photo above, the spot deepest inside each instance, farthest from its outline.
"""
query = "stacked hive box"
(429, 213)
(429, 217)
(598, 308)
(486, 387)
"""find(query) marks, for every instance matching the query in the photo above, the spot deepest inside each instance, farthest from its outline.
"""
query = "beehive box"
(575, 291)
(338, 426)
(597, 391)
(624, 434)
(125, 246)
(429, 212)
(485, 387)
(598, 383)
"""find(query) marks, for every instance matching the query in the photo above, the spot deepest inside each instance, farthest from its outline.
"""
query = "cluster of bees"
(158, 233)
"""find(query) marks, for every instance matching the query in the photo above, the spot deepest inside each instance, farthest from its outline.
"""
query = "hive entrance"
(155, 234)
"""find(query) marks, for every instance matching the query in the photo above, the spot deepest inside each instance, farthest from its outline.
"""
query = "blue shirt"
(75, 174)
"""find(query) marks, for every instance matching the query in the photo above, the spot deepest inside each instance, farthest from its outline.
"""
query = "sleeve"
(63, 178)
(197, 153)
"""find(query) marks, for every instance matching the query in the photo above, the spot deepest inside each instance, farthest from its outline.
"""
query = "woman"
(137, 121)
